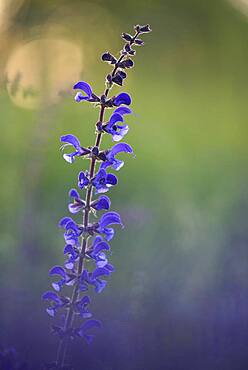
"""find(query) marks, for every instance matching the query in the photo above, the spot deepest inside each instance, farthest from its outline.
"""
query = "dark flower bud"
(126, 36)
(122, 74)
(107, 57)
(102, 156)
(117, 79)
(137, 28)
(128, 63)
(138, 42)
(129, 50)
(103, 99)
(95, 151)
(145, 28)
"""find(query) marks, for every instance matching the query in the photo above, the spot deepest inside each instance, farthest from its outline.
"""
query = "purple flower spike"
(103, 202)
(85, 88)
(86, 264)
(116, 164)
(122, 98)
(104, 181)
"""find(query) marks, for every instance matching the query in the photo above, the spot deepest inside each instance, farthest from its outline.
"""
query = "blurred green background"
(179, 296)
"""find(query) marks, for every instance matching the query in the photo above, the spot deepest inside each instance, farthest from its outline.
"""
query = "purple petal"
(64, 221)
(110, 267)
(109, 233)
(103, 202)
(121, 133)
(118, 148)
(57, 270)
(101, 246)
(97, 240)
(71, 225)
(70, 158)
(100, 271)
(74, 193)
(111, 179)
(84, 300)
(116, 117)
(71, 139)
(122, 98)
(82, 180)
(85, 87)
(110, 218)
(75, 207)
(89, 325)
(79, 97)
(68, 249)
(51, 296)
(123, 110)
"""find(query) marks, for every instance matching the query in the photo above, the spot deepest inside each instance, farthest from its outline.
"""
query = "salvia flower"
(71, 140)
(107, 219)
(114, 128)
(85, 87)
(78, 203)
(83, 180)
(103, 202)
(86, 268)
(103, 181)
(116, 164)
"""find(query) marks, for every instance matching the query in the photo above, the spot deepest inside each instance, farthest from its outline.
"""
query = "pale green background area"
(183, 198)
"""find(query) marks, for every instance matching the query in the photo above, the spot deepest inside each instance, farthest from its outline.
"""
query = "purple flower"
(99, 284)
(72, 231)
(113, 128)
(104, 181)
(58, 270)
(96, 252)
(85, 88)
(82, 180)
(111, 160)
(122, 98)
(72, 140)
(107, 219)
(56, 302)
(78, 203)
(83, 330)
(64, 278)
(73, 255)
(103, 202)
(81, 307)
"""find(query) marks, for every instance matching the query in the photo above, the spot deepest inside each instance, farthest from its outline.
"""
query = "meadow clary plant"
(86, 250)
